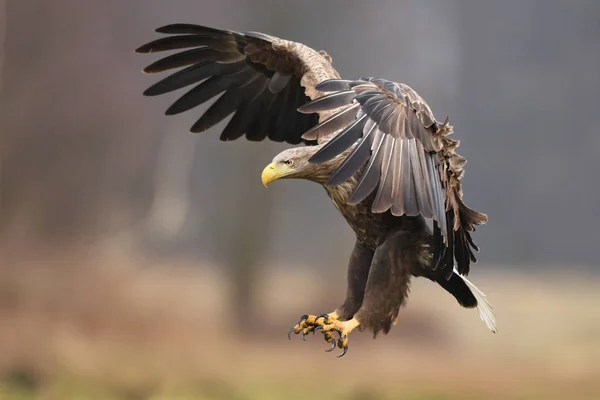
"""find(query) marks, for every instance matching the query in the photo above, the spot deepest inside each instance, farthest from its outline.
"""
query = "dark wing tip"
(185, 29)
(153, 91)
(166, 28)
(201, 128)
(171, 110)
(144, 49)
(153, 68)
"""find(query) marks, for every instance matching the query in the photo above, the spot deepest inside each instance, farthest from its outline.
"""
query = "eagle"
(387, 164)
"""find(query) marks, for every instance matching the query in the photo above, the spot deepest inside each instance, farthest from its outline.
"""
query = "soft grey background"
(87, 159)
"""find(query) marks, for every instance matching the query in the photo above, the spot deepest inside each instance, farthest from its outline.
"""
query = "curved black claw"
(332, 347)
(325, 316)
(302, 319)
(302, 335)
(318, 328)
(344, 351)
(290, 332)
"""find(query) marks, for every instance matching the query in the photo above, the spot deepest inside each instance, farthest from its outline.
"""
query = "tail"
(469, 296)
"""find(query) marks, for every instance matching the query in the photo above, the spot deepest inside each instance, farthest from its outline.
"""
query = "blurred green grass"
(73, 389)
(217, 390)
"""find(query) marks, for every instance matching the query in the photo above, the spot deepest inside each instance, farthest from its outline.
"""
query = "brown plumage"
(384, 160)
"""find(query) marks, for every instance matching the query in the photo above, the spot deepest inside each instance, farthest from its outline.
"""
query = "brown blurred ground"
(129, 326)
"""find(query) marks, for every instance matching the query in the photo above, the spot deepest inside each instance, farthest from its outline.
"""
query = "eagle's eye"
(289, 163)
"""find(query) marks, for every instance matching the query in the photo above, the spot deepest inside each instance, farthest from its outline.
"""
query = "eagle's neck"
(321, 172)
(341, 193)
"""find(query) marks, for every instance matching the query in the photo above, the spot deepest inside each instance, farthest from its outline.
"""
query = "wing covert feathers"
(262, 80)
(406, 156)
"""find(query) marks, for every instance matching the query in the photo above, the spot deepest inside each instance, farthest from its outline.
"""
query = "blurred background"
(139, 261)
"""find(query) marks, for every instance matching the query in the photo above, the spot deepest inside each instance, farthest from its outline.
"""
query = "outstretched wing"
(390, 136)
(262, 79)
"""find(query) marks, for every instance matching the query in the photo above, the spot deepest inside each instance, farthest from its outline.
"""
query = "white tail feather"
(483, 306)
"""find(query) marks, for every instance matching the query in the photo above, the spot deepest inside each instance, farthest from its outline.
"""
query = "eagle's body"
(370, 228)
(375, 146)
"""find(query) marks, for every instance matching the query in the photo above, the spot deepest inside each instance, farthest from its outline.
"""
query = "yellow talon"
(343, 328)
(328, 324)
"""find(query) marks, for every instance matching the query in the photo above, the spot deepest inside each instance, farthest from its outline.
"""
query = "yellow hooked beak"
(273, 172)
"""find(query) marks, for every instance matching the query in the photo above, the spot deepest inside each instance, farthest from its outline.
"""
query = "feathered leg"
(389, 281)
(358, 272)
(386, 289)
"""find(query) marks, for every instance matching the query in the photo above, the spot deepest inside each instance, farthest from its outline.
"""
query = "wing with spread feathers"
(262, 79)
(406, 159)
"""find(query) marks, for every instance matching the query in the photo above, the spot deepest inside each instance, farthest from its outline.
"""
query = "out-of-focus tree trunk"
(171, 200)
(3, 138)
(3, 24)
(247, 240)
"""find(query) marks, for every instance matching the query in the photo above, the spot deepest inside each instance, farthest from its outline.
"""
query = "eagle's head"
(290, 164)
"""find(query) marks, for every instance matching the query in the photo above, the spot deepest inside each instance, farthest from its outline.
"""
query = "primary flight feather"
(375, 146)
